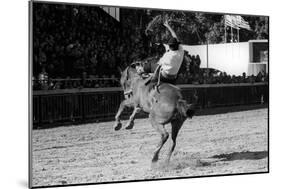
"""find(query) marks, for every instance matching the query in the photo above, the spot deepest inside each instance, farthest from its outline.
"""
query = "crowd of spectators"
(190, 73)
(82, 47)
(72, 39)
(209, 76)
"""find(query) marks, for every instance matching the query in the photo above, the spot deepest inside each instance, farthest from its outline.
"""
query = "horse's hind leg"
(164, 136)
(176, 125)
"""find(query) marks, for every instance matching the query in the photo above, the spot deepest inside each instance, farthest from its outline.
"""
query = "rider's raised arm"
(166, 46)
(166, 24)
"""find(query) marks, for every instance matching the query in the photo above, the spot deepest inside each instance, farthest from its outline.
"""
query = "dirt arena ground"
(207, 145)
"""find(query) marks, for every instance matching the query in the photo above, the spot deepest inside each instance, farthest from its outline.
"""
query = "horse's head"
(138, 66)
(127, 77)
(135, 71)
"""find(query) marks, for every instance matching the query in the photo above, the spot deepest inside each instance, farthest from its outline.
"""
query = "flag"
(236, 22)
(230, 21)
(243, 23)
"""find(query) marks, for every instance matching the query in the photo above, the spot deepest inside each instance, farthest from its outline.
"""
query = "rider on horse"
(171, 61)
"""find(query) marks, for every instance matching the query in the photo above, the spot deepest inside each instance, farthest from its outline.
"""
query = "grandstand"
(76, 43)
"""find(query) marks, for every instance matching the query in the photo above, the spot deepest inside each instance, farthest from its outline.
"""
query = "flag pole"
(225, 40)
(231, 34)
(231, 29)
(208, 53)
(238, 34)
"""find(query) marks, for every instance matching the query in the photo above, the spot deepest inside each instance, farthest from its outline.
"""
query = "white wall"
(200, 50)
(232, 58)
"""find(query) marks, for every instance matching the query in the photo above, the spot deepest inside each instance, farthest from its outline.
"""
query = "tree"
(196, 28)
(192, 28)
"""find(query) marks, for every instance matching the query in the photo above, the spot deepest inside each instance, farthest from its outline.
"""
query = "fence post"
(40, 111)
(83, 106)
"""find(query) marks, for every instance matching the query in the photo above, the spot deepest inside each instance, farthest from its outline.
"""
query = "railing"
(72, 106)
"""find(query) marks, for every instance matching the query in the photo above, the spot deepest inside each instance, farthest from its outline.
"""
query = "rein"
(128, 92)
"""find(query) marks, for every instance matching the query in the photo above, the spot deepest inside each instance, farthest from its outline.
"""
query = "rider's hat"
(173, 41)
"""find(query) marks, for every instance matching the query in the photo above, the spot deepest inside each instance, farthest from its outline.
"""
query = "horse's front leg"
(130, 123)
(118, 125)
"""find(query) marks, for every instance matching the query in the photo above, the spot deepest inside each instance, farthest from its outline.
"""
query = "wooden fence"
(72, 106)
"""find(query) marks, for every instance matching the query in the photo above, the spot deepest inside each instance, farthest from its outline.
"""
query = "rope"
(159, 78)
(159, 75)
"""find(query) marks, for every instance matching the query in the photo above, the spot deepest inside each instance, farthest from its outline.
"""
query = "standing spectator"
(43, 79)
(187, 60)
(198, 61)
(244, 79)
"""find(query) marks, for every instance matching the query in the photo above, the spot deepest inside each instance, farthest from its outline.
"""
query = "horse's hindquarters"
(165, 102)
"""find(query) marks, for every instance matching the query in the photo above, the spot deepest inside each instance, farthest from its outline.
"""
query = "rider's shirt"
(172, 60)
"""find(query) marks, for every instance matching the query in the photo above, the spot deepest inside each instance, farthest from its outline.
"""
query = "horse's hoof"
(154, 165)
(117, 126)
(154, 159)
(129, 126)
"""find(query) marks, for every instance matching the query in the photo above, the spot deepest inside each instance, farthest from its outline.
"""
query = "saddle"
(157, 78)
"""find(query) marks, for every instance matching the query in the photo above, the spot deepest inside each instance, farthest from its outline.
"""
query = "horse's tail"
(182, 107)
(187, 110)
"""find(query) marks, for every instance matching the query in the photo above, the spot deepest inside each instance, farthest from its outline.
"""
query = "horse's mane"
(150, 59)
(154, 58)
(129, 69)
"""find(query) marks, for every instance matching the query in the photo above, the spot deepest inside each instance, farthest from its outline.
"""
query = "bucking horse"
(164, 105)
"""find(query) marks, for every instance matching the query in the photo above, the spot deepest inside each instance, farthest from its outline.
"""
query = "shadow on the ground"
(196, 161)
(242, 156)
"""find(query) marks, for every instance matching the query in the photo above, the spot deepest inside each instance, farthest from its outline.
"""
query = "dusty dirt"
(206, 145)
